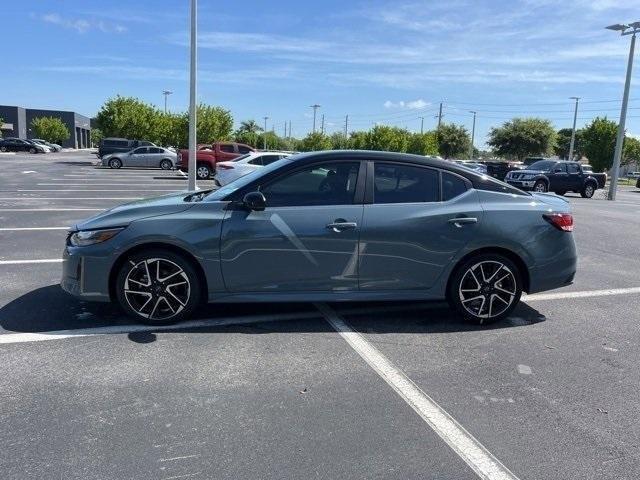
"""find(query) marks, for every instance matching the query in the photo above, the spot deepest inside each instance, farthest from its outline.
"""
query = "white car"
(227, 172)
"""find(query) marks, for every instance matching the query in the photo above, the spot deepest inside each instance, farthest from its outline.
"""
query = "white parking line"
(51, 209)
(121, 329)
(481, 461)
(98, 190)
(23, 262)
(71, 198)
(130, 184)
(581, 294)
(29, 229)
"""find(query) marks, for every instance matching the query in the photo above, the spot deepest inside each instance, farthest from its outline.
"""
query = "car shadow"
(76, 163)
(50, 309)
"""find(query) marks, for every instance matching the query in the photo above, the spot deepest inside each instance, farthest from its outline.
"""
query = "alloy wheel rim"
(588, 190)
(165, 165)
(157, 288)
(540, 187)
(487, 289)
(203, 172)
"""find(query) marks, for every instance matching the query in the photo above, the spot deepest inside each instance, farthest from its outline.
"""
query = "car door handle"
(461, 221)
(340, 226)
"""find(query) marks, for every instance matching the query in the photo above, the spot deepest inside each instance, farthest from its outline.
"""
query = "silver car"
(150, 157)
(328, 226)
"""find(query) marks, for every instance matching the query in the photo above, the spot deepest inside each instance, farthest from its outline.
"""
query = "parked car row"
(34, 145)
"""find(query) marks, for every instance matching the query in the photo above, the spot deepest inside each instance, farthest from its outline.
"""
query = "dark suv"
(113, 145)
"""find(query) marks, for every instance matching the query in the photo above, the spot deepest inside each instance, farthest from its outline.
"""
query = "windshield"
(542, 165)
(237, 184)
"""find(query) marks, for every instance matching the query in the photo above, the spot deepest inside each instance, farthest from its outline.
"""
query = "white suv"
(227, 172)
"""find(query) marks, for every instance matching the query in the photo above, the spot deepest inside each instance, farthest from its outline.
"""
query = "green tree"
(248, 133)
(127, 117)
(521, 137)
(599, 141)
(214, 124)
(315, 141)
(563, 143)
(50, 129)
(388, 139)
(423, 143)
(339, 141)
(631, 151)
(453, 140)
(358, 140)
(96, 136)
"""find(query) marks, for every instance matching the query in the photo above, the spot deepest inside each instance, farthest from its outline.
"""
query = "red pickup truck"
(207, 155)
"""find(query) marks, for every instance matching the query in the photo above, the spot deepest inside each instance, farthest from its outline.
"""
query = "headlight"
(91, 237)
(527, 177)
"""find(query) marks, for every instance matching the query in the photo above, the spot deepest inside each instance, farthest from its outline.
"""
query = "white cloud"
(82, 25)
(409, 105)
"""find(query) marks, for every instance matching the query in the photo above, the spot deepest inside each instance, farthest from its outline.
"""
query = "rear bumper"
(558, 274)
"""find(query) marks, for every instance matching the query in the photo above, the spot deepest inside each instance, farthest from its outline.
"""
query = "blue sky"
(378, 61)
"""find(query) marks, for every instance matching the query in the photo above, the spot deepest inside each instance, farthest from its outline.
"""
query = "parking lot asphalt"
(394, 390)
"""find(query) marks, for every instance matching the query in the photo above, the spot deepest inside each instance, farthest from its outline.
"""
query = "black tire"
(166, 164)
(33, 150)
(505, 289)
(3, 149)
(115, 163)
(540, 186)
(561, 193)
(588, 190)
(203, 172)
(180, 298)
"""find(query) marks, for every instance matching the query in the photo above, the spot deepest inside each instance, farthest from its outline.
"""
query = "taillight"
(562, 221)
(226, 167)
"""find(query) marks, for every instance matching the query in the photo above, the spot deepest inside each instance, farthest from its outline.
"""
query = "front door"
(305, 240)
(415, 226)
(559, 178)
(138, 158)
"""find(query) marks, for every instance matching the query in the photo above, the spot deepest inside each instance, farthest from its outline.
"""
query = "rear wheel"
(485, 288)
(588, 190)
(115, 163)
(203, 172)
(158, 287)
(32, 150)
(166, 164)
(540, 186)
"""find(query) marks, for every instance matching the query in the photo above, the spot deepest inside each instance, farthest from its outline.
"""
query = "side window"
(139, 151)
(573, 168)
(155, 150)
(452, 186)
(255, 161)
(242, 149)
(560, 168)
(323, 184)
(226, 147)
(405, 184)
(267, 159)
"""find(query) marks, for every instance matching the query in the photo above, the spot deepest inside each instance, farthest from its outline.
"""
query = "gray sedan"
(328, 226)
(152, 157)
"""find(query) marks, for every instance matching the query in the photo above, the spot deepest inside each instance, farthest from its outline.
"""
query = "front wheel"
(33, 150)
(540, 187)
(166, 164)
(588, 190)
(203, 172)
(485, 288)
(115, 163)
(3, 149)
(158, 287)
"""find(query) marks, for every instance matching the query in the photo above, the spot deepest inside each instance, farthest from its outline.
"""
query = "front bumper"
(85, 277)
(521, 184)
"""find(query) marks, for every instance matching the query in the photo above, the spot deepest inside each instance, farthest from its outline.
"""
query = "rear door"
(154, 156)
(416, 219)
(137, 158)
(226, 152)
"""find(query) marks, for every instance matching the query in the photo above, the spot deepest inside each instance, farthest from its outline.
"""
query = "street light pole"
(473, 134)
(192, 96)
(166, 93)
(631, 29)
(264, 134)
(573, 131)
(421, 125)
(315, 107)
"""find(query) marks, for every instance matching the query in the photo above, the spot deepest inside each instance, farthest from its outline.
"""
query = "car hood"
(530, 172)
(122, 215)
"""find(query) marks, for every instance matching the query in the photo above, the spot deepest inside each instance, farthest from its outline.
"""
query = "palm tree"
(249, 126)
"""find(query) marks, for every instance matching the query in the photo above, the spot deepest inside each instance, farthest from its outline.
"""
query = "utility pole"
(166, 93)
(473, 134)
(289, 130)
(630, 29)
(285, 130)
(440, 116)
(315, 107)
(346, 125)
(193, 72)
(421, 125)
(322, 125)
(264, 133)
(573, 131)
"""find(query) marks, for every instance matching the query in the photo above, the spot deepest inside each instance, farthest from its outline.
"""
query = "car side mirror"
(255, 201)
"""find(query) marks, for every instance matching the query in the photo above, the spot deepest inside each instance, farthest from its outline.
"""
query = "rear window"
(452, 186)
(227, 148)
(243, 149)
(587, 168)
(405, 184)
(542, 165)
